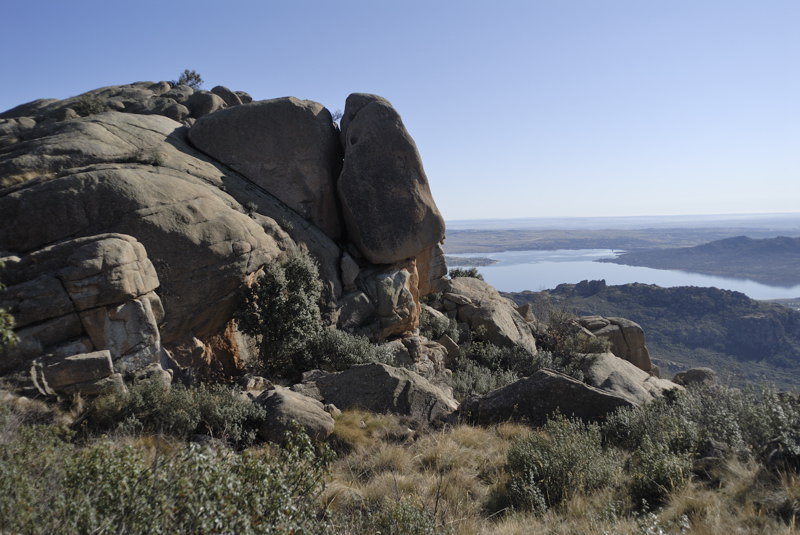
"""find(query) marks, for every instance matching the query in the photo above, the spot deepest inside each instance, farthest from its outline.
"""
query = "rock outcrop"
(285, 408)
(289, 147)
(386, 200)
(694, 376)
(480, 305)
(382, 388)
(533, 399)
(122, 161)
(626, 338)
(613, 374)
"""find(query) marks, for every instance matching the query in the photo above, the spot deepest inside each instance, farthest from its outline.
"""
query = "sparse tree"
(191, 78)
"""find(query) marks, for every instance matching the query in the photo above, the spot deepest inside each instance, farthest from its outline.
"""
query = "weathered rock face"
(145, 98)
(287, 146)
(283, 407)
(96, 292)
(613, 374)
(382, 388)
(480, 306)
(387, 205)
(626, 337)
(87, 374)
(535, 398)
(196, 234)
(115, 161)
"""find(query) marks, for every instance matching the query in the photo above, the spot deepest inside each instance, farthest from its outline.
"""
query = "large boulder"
(626, 338)
(386, 201)
(285, 408)
(287, 146)
(382, 388)
(201, 243)
(695, 376)
(613, 374)
(87, 374)
(96, 292)
(480, 305)
(534, 399)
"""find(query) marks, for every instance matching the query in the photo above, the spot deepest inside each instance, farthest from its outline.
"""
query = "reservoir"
(517, 271)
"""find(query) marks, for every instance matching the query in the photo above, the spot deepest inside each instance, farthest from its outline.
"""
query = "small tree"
(282, 308)
(191, 78)
(470, 272)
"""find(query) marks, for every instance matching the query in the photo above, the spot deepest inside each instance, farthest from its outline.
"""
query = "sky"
(558, 108)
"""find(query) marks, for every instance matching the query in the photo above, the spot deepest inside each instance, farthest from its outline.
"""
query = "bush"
(469, 272)
(149, 406)
(7, 336)
(656, 472)
(191, 78)
(548, 466)
(434, 327)
(51, 486)
(89, 105)
(335, 350)
(281, 307)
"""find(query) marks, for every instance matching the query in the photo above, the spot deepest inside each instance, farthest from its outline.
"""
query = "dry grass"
(458, 475)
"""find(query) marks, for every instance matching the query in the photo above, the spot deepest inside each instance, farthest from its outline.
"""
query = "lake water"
(517, 271)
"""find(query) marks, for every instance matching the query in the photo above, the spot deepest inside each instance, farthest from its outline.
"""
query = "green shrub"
(469, 272)
(399, 517)
(51, 486)
(470, 378)
(281, 307)
(89, 105)
(336, 350)
(550, 465)
(152, 407)
(434, 327)
(656, 472)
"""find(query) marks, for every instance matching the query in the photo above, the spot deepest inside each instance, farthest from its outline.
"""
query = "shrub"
(656, 472)
(191, 78)
(152, 407)
(7, 337)
(469, 272)
(401, 517)
(336, 350)
(434, 327)
(89, 105)
(51, 486)
(281, 307)
(548, 466)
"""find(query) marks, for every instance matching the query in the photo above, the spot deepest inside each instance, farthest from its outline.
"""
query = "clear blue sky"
(519, 109)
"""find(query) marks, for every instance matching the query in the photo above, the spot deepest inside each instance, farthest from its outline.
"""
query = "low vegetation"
(710, 460)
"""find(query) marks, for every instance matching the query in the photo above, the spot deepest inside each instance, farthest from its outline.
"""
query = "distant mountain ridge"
(772, 261)
(690, 326)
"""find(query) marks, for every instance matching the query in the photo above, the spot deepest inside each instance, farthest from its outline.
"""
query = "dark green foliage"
(336, 350)
(149, 406)
(550, 465)
(469, 272)
(564, 338)
(745, 420)
(89, 105)
(49, 485)
(434, 327)
(191, 78)
(656, 471)
(282, 308)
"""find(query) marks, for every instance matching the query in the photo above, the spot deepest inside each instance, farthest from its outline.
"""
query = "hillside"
(744, 339)
(771, 261)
